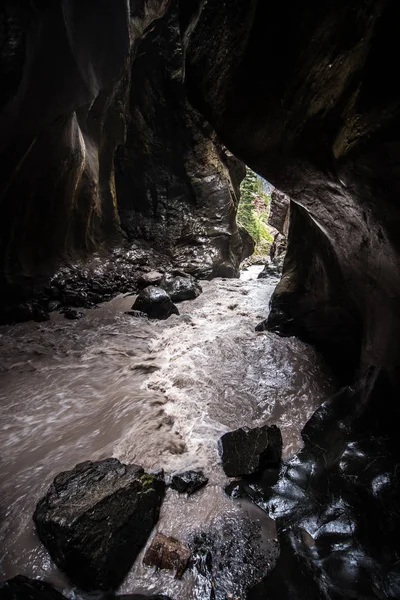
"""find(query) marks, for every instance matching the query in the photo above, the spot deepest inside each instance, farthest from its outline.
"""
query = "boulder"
(73, 314)
(188, 482)
(141, 597)
(180, 286)
(152, 278)
(96, 518)
(168, 553)
(23, 588)
(249, 451)
(137, 314)
(155, 303)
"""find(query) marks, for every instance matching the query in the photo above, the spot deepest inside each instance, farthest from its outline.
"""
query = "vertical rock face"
(61, 121)
(177, 186)
(73, 75)
(279, 213)
(322, 124)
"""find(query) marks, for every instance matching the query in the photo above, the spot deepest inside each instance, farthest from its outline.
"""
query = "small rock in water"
(188, 482)
(95, 519)
(168, 553)
(72, 314)
(54, 304)
(23, 588)
(155, 303)
(152, 278)
(180, 286)
(136, 313)
(249, 451)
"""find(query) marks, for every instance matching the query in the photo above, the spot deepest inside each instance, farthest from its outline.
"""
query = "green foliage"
(253, 211)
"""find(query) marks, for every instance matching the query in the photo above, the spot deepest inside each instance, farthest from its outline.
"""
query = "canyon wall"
(79, 81)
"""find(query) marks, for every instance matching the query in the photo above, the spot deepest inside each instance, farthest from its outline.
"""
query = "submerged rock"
(188, 482)
(141, 597)
(151, 278)
(155, 303)
(95, 519)
(73, 314)
(23, 588)
(168, 553)
(180, 286)
(249, 451)
(137, 314)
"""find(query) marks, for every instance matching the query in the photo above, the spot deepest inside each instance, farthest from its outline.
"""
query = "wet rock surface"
(151, 278)
(155, 303)
(180, 287)
(72, 314)
(323, 502)
(232, 557)
(23, 588)
(248, 451)
(188, 482)
(95, 519)
(167, 553)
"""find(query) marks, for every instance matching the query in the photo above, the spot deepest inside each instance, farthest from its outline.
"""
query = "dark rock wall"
(176, 184)
(302, 94)
(60, 124)
(66, 97)
(279, 211)
(321, 123)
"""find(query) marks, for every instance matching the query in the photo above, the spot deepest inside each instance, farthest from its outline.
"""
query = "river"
(158, 394)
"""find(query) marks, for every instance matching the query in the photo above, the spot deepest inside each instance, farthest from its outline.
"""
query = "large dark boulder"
(23, 588)
(155, 303)
(249, 451)
(95, 519)
(180, 287)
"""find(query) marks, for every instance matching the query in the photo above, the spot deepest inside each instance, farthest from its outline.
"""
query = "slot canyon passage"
(125, 128)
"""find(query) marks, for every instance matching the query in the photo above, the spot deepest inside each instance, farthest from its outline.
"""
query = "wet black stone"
(95, 519)
(180, 287)
(73, 297)
(155, 303)
(41, 315)
(23, 588)
(54, 305)
(72, 314)
(232, 557)
(136, 313)
(248, 451)
(188, 482)
(141, 597)
(151, 278)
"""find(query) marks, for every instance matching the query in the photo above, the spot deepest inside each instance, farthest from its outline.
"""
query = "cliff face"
(60, 125)
(298, 91)
(75, 74)
(177, 186)
(322, 124)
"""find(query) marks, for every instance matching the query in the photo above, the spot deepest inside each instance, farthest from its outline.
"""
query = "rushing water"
(159, 394)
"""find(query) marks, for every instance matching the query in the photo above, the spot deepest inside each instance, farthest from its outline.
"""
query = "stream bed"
(158, 394)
